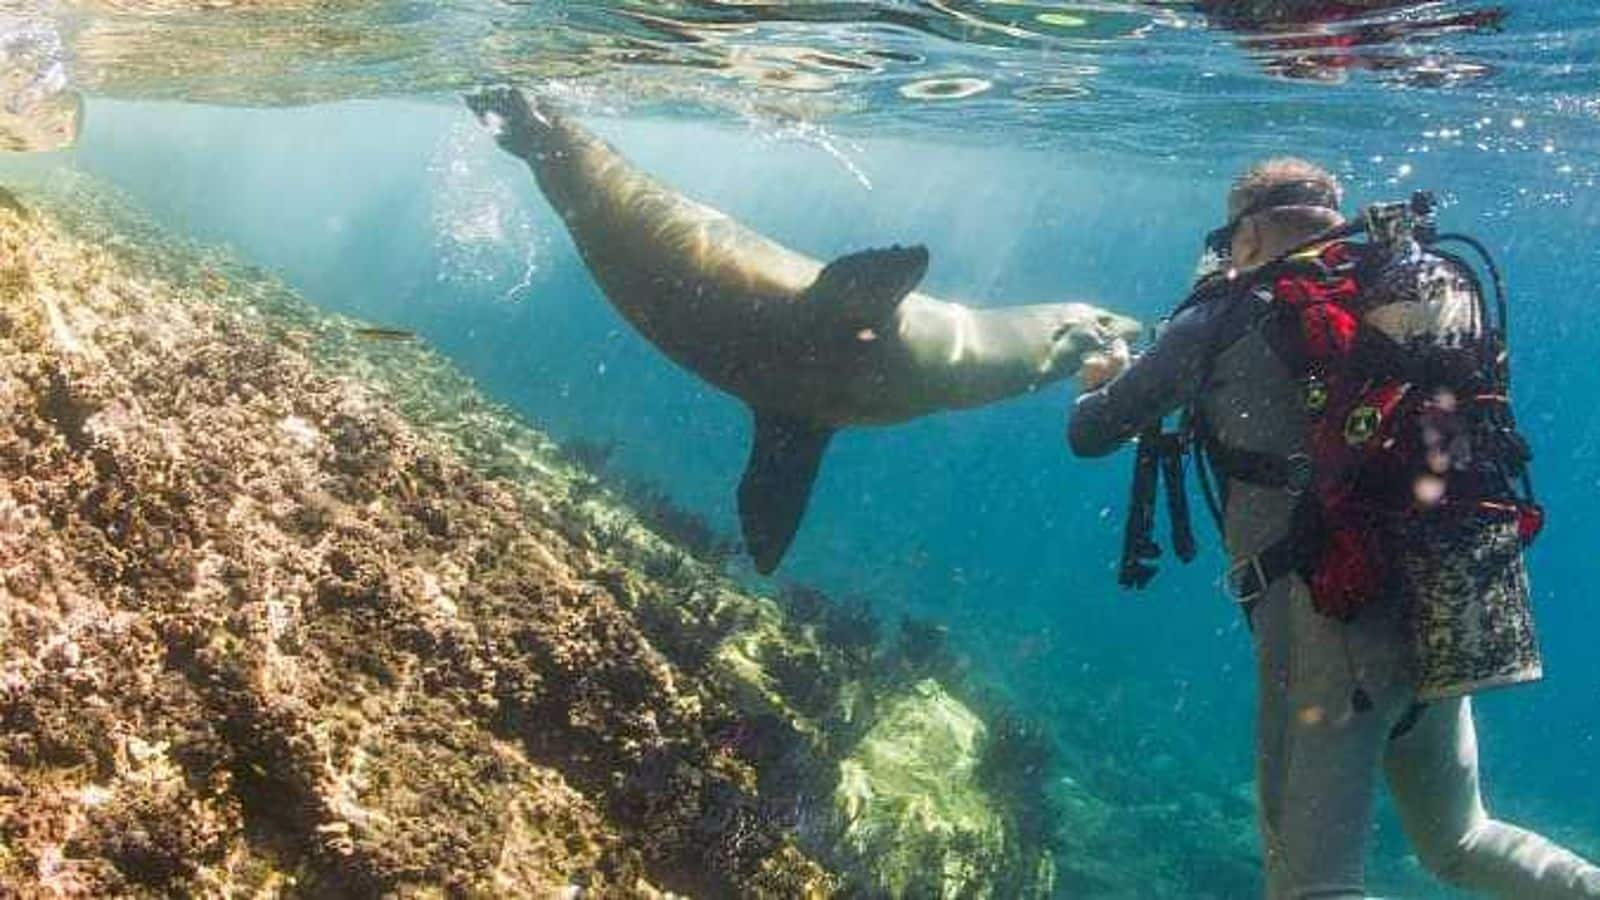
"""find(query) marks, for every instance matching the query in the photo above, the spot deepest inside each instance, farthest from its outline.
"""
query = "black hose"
(1490, 325)
(1138, 540)
(1171, 452)
(1501, 338)
(1494, 275)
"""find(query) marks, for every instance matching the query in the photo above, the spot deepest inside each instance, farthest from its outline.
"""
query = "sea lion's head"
(1080, 330)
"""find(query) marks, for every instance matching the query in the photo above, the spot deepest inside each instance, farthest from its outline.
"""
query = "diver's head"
(1273, 207)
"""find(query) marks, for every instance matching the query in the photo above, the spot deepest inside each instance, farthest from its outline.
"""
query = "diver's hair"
(1261, 178)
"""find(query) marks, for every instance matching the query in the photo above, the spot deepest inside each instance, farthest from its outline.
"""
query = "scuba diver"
(1346, 405)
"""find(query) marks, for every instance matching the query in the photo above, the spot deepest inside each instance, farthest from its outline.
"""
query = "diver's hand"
(505, 111)
(1100, 366)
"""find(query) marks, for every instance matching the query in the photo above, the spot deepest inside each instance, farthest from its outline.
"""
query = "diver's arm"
(1158, 382)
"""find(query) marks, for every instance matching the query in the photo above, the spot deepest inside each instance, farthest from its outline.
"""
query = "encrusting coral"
(288, 611)
(259, 631)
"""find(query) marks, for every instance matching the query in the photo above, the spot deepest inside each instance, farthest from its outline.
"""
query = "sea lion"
(811, 348)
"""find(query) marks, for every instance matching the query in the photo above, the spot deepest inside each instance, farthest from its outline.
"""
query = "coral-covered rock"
(911, 800)
(286, 609)
(260, 631)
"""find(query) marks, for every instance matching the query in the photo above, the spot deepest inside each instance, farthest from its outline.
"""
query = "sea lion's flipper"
(520, 121)
(784, 458)
(861, 290)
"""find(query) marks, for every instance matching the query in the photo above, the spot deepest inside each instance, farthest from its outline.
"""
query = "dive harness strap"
(1252, 576)
(1290, 473)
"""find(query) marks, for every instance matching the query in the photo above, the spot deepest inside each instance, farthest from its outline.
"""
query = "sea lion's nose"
(1118, 326)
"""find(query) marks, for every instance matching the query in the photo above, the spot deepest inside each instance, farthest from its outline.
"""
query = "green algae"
(912, 799)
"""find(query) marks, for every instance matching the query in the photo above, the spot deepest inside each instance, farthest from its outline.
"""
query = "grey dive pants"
(1318, 760)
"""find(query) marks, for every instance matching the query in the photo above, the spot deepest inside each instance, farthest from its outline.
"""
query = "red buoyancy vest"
(1386, 441)
(1379, 441)
(1398, 434)
(1347, 568)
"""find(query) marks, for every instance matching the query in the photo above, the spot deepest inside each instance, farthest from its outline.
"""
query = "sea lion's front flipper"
(784, 458)
(861, 290)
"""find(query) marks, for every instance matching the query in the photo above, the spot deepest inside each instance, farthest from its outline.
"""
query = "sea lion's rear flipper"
(784, 458)
(861, 290)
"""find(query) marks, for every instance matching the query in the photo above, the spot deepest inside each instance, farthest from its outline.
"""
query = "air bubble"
(484, 237)
(1062, 20)
(1057, 91)
(944, 88)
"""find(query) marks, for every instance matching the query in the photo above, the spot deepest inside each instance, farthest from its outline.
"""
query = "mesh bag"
(1468, 605)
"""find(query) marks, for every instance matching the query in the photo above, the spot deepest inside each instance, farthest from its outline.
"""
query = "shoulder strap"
(1193, 427)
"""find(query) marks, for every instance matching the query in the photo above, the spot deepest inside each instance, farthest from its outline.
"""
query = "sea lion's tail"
(575, 169)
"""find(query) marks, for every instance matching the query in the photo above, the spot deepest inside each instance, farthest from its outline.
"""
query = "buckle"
(1314, 393)
(1238, 588)
(1362, 423)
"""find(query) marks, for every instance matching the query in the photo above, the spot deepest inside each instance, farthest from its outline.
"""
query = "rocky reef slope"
(285, 610)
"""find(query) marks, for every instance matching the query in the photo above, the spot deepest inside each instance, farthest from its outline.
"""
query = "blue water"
(401, 212)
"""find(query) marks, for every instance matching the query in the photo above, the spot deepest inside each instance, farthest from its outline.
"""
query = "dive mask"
(1217, 254)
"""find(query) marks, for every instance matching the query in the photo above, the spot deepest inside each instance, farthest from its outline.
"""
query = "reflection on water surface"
(1150, 77)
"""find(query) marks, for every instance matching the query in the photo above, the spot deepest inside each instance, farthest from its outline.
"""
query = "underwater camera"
(1397, 224)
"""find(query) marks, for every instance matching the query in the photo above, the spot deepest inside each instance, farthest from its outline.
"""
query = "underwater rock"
(286, 610)
(910, 798)
(262, 633)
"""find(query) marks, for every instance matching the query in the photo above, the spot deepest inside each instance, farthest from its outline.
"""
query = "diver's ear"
(1246, 243)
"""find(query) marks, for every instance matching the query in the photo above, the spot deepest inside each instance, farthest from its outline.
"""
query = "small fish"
(385, 334)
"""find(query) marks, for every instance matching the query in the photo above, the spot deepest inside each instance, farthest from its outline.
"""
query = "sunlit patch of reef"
(288, 610)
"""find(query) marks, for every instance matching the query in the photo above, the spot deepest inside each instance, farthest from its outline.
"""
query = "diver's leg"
(1270, 628)
(1320, 754)
(1334, 745)
(1433, 774)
